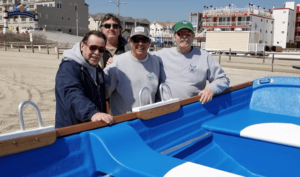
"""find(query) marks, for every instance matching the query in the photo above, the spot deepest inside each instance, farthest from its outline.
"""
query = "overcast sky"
(169, 10)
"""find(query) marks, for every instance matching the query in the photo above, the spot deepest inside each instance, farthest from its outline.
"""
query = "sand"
(26, 76)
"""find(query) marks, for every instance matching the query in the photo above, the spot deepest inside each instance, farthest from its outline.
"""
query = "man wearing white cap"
(130, 72)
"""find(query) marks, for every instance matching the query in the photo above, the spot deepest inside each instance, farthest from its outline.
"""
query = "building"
(53, 15)
(284, 24)
(162, 32)
(231, 18)
(128, 23)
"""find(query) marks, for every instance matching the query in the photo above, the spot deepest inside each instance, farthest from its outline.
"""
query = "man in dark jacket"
(111, 27)
(80, 89)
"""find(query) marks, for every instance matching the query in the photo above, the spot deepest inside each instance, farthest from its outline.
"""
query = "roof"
(166, 24)
(142, 20)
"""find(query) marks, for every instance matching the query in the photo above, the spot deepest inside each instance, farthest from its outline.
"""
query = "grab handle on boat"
(21, 105)
(145, 88)
(161, 91)
(265, 81)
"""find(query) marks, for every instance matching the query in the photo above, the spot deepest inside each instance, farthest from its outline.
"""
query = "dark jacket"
(123, 47)
(78, 95)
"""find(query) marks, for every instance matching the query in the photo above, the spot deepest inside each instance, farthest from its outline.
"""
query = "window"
(46, 5)
(62, 18)
(271, 22)
(282, 32)
(271, 32)
(277, 42)
(0, 9)
(266, 31)
(284, 11)
(50, 5)
(57, 5)
(267, 21)
(46, 16)
(69, 18)
(70, 5)
(40, 15)
(60, 6)
(56, 17)
(261, 20)
(260, 30)
(0, 17)
(75, 6)
(283, 22)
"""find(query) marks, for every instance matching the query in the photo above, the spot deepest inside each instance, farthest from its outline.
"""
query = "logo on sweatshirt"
(192, 69)
(150, 76)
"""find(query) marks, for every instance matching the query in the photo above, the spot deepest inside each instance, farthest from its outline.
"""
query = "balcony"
(129, 26)
(297, 37)
(298, 28)
(233, 10)
(227, 23)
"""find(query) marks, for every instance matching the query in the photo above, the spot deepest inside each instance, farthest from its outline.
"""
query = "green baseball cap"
(183, 24)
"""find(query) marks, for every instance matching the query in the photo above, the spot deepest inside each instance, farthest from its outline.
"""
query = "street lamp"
(118, 4)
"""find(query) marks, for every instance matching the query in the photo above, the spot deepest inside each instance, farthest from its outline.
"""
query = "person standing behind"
(79, 89)
(186, 68)
(130, 72)
(111, 27)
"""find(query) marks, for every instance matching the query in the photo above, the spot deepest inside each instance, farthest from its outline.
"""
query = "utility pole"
(118, 4)
(77, 21)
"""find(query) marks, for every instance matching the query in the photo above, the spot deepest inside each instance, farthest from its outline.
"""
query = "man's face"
(139, 45)
(109, 30)
(184, 38)
(90, 50)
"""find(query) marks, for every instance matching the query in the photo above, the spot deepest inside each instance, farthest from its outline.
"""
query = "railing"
(297, 37)
(129, 26)
(298, 18)
(227, 23)
(222, 11)
(298, 28)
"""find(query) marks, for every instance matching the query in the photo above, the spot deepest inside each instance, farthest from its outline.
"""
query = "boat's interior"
(248, 132)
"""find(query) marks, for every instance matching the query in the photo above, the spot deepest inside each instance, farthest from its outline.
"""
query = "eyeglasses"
(186, 33)
(108, 25)
(94, 47)
(138, 39)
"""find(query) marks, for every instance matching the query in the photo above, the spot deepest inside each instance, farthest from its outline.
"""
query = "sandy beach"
(31, 76)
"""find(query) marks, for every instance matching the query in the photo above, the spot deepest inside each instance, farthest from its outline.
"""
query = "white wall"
(265, 27)
(283, 26)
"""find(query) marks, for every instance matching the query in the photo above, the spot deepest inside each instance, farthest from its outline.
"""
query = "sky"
(170, 10)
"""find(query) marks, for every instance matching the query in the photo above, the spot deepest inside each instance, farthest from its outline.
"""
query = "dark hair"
(93, 32)
(113, 17)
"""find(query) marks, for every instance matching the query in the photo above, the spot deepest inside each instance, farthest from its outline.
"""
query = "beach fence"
(263, 55)
(26, 46)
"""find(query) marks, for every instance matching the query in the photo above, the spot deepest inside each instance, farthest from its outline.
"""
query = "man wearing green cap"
(186, 68)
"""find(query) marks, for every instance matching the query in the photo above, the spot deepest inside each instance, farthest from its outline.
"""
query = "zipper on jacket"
(98, 86)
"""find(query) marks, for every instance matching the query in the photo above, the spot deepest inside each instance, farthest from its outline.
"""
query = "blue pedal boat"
(251, 129)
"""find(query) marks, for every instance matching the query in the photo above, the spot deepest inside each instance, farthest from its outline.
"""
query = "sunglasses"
(94, 47)
(108, 25)
(138, 39)
(186, 33)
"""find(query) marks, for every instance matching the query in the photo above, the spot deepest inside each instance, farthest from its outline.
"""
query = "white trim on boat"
(21, 133)
(196, 170)
(281, 133)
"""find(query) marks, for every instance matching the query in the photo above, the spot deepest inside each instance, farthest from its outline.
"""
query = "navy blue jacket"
(78, 96)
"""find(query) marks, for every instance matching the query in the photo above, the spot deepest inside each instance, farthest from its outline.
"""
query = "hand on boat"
(110, 61)
(206, 95)
(102, 117)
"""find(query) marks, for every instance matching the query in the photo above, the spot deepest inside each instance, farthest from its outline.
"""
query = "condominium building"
(68, 16)
(284, 24)
(231, 18)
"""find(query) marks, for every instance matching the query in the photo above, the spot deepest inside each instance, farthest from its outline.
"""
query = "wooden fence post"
(4, 45)
(47, 48)
(32, 47)
(264, 56)
(272, 61)
(229, 54)
(18, 47)
(57, 53)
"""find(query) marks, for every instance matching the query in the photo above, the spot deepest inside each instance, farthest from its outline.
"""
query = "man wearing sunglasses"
(130, 72)
(79, 88)
(186, 68)
(111, 27)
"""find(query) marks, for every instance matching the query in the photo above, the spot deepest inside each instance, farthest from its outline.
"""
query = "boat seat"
(275, 128)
